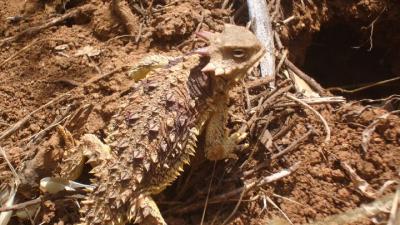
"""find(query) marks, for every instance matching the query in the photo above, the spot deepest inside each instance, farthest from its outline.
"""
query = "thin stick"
(246, 188)
(18, 52)
(394, 213)
(313, 84)
(89, 8)
(235, 209)
(14, 128)
(17, 178)
(262, 27)
(247, 95)
(41, 199)
(327, 129)
(208, 194)
(279, 209)
(365, 86)
(292, 146)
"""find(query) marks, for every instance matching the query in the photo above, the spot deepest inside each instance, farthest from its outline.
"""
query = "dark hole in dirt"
(73, 3)
(340, 56)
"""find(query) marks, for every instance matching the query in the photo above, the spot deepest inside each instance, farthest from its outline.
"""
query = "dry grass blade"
(293, 145)
(226, 196)
(353, 215)
(85, 9)
(394, 217)
(208, 195)
(327, 129)
(313, 84)
(367, 133)
(365, 86)
(4, 215)
(14, 128)
(279, 209)
(363, 186)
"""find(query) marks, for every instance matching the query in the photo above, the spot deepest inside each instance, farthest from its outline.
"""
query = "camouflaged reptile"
(155, 131)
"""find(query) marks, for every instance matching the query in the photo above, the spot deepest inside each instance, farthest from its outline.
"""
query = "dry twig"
(310, 81)
(14, 128)
(367, 133)
(245, 188)
(30, 32)
(292, 146)
(262, 27)
(327, 129)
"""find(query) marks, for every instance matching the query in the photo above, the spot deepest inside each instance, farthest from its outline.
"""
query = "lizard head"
(233, 52)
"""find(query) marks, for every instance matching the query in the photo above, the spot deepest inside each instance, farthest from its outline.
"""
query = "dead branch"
(245, 188)
(364, 211)
(30, 32)
(367, 133)
(327, 129)
(294, 145)
(314, 101)
(40, 199)
(362, 185)
(310, 81)
(262, 27)
(259, 82)
(394, 217)
(18, 52)
(14, 128)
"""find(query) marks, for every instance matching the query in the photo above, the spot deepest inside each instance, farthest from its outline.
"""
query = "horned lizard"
(154, 133)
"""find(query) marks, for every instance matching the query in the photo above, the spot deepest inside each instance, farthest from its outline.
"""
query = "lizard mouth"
(207, 36)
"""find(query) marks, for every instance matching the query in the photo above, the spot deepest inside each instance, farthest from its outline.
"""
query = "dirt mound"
(65, 62)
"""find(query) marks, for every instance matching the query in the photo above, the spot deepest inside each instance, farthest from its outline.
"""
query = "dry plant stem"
(259, 82)
(85, 9)
(367, 133)
(314, 101)
(394, 217)
(362, 185)
(327, 129)
(268, 93)
(14, 172)
(292, 146)
(261, 108)
(14, 128)
(247, 96)
(365, 86)
(245, 188)
(122, 10)
(286, 128)
(262, 27)
(40, 199)
(224, 4)
(208, 194)
(19, 52)
(279, 209)
(364, 211)
(282, 60)
(313, 84)
(236, 208)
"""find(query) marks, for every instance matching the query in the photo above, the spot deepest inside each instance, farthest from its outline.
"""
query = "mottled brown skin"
(155, 131)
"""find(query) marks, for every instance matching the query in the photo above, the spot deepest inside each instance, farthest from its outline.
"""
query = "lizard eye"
(238, 53)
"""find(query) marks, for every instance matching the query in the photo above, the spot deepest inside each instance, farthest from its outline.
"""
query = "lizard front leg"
(218, 144)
